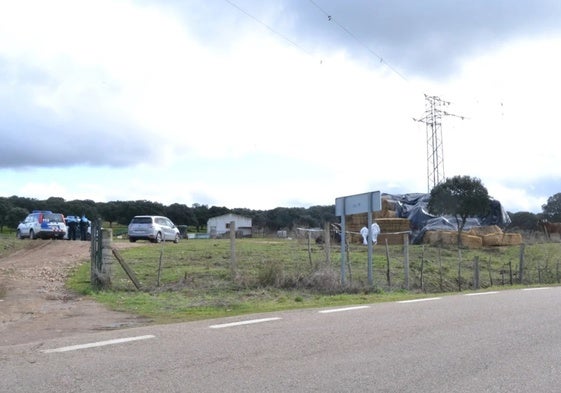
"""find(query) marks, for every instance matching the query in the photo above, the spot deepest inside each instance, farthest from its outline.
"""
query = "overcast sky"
(260, 104)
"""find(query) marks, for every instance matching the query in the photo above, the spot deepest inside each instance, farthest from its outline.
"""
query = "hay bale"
(485, 230)
(502, 239)
(384, 214)
(354, 237)
(388, 203)
(388, 210)
(432, 237)
(512, 239)
(392, 238)
(390, 225)
(450, 238)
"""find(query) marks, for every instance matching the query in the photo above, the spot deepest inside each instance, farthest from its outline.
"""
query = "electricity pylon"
(435, 151)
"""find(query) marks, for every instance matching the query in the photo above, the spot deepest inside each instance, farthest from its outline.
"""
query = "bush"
(271, 274)
(325, 280)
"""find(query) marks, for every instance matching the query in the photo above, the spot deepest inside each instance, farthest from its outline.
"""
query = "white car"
(153, 228)
(42, 224)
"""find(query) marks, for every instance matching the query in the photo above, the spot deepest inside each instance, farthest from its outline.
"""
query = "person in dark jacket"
(72, 223)
(84, 224)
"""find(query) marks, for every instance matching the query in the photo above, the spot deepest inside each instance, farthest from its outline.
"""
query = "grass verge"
(195, 279)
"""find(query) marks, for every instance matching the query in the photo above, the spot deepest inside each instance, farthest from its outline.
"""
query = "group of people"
(77, 226)
(374, 231)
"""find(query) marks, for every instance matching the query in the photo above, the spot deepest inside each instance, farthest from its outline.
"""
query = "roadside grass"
(8, 245)
(195, 279)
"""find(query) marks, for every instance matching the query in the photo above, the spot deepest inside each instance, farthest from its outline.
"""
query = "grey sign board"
(357, 204)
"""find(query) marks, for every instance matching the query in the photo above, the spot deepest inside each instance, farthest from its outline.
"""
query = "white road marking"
(248, 322)
(535, 289)
(481, 293)
(98, 344)
(342, 309)
(420, 300)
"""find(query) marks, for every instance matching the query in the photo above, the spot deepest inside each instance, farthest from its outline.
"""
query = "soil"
(36, 306)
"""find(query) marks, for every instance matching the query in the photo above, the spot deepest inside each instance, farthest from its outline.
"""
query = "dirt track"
(36, 305)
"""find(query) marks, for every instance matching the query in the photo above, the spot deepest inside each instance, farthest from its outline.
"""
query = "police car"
(43, 224)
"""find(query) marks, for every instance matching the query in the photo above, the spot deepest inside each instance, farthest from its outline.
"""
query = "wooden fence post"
(102, 259)
(388, 272)
(521, 266)
(233, 263)
(476, 272)
(406, 259)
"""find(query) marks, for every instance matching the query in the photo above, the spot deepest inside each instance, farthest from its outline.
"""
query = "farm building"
(218, 226)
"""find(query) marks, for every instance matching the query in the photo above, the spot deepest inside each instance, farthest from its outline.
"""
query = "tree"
(461, 197)
(5, 207)
(180, 214)
(109, 211)
(523, 221)
(15, 216)
(552, 209)
(201, 215)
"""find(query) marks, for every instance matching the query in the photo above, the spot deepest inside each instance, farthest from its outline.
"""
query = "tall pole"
(435, 147)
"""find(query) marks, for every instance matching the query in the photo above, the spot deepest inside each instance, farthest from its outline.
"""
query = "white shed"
(218, 226)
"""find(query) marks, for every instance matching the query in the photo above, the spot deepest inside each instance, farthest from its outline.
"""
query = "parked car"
(42, 224)
(153, 228)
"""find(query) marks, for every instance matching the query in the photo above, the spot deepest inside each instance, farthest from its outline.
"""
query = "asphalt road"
(490, 342)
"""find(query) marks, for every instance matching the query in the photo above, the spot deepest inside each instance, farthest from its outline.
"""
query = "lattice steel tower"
(435, 151)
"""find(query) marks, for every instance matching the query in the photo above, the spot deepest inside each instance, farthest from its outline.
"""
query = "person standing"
(72, 227)
(364, 234)
(374, 232)
(84, 224)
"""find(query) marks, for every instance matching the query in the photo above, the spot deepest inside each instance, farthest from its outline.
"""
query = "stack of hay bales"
(477, 237)
(493, 236)
(450, 238)
(388, 210)
(391, 229)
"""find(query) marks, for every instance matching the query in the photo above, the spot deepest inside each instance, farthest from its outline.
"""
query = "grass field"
(198, 279)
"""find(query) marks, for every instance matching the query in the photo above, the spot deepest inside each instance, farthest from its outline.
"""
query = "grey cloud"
(427, 38)
(32, 136)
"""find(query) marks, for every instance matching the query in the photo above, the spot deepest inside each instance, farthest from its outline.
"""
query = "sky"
(280, 103)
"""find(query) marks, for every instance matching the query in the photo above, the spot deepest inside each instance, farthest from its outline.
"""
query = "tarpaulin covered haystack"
(413, 207)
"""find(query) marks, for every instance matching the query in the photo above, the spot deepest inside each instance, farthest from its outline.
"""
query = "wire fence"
(317, 263)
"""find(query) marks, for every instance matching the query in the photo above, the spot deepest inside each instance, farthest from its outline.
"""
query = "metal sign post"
(357, 204)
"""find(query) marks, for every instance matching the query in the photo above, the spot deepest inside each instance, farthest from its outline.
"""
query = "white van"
(153, 228)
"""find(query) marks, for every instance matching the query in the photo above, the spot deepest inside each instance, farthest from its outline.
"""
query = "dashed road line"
(248, 322)
(481, 293)
(535, 289)
(343, 309)
(98, 344)
(427, 299)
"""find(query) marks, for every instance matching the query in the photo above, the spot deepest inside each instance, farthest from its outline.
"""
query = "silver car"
(153, 228)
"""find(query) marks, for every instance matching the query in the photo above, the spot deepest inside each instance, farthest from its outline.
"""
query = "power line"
(350, 33)
(284, 37)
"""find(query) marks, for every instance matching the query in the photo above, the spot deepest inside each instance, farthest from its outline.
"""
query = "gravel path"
(36, 305)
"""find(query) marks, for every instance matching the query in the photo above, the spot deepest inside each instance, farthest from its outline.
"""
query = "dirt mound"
(36, 306)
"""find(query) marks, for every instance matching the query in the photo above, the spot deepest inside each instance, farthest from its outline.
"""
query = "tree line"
(14, 209)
